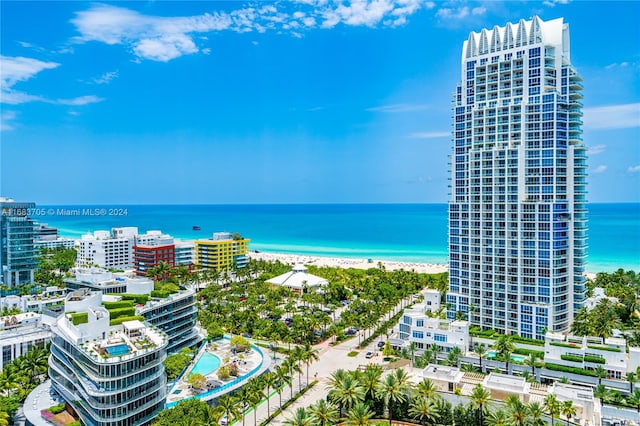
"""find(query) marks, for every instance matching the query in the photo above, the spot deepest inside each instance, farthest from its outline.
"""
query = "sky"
(311, 101)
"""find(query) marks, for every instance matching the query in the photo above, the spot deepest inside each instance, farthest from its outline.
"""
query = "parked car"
(369, 355)
(381, 344)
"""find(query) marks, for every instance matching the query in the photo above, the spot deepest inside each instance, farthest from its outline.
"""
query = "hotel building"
(47, 237)
(109, 250)
(111, 374)
(223, 252)
(17, 252)
(517, 209)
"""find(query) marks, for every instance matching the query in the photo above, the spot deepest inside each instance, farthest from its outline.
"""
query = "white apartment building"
(185, 252)
(19, 333)
(51, 296)
(517, 206)
(418, 326)
(109, 250)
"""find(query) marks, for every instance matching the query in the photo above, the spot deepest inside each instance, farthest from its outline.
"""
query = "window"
(439, 337)
(418, 334)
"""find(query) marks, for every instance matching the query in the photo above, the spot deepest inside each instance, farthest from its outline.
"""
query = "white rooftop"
(442, 373)
(506, 383)
(298, 278)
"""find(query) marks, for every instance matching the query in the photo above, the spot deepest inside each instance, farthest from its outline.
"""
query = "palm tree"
(323, 413)
(601, 392)
(426, 389)
(479, 349)
(283, 377)
(347, 393)
(292, 365)
(601, 373)
(536, 414)
(309, 355)
(568, 410)
(424, 409)
(479, 399)
(369, 380)
(412, 348)
(229, 406)
(453, 357)
(531, 362)
(359, 415)
(631, 378)
(255, 393)
(505, 347)
(552, 406)
(269, 379)
(498, 418)
(517, 410)
(300, 418)
(392, 390)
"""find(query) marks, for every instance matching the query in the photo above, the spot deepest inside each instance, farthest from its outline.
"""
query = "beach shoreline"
(347, 262)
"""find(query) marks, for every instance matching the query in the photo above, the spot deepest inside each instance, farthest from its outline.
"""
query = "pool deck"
(253, 365)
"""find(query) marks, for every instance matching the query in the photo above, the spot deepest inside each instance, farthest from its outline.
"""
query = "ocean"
(400, 232)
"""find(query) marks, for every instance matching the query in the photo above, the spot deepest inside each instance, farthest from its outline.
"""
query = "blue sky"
(276, 102)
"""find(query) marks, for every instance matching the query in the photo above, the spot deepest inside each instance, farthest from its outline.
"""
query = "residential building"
(47, 237)
(419, 326)
(109, 250)
(17, 251)
(517, 208)
(597, 297)
(445, 378)
(49, 297)
(588, 408)
(222, 252)
(185, 253)
(19, 333)
(591, 352)
(173, 313)
(149, 256)
(112, 375)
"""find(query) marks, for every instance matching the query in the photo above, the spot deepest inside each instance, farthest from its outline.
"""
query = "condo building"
(110, 250)
(47, 237)
(110, 373)
(17, 251)
(517, 208)
(222, 252)
(19, 333)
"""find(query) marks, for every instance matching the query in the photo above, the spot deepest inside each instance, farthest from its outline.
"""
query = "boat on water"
(196, 228)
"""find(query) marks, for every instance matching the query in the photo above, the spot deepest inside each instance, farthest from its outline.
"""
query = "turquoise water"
(117, 350)
(207, 364)
(403, 232)
(514, 357)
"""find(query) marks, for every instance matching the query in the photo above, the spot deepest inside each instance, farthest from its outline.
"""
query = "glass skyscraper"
(517, 209)
(17, 250)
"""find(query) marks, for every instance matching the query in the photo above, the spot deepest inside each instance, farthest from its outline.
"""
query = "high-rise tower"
(517, 209)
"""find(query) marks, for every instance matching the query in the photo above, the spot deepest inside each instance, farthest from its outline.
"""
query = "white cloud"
(6, 120)
(451, 13)
(599, 169)
(399, 108)
(429, 135)
(105, 78)
(160, 38)
(612, 117)
(597, 149)
(479, 10)
(19, 69)
(634, 169)
(552, 3)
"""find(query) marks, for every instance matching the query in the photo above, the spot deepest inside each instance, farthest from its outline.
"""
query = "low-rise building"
(446, 378)
(598, 296)
(299, 280)
(185, 252)
(223, 252)
(47, 237)
(588, 408)
(19, 333)
(502, 385)
(111, 375)
(148, 256)
(418, 326)
(588, 352)
(51, 296)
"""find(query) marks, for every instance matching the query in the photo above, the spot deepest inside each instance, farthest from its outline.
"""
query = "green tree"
(347, 393)
(283, 377)
(601, 373)
(517, 410)
(270, 380)
(392, 390)
(568, 410)
(453, 357)
(229, 406)
(300, 418)
(480, 350)
(552, 406)
(426, 389)
(197, 381)
(424, 410)
(359, 415)
(536, 414)
(197, 411)
(309, 355)
(479, 399)
(631, 378)
(323, 413)
(498, 418)
(581, 325)
(504, 346)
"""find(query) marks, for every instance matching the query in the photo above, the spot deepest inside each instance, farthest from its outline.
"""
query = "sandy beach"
(294, 259)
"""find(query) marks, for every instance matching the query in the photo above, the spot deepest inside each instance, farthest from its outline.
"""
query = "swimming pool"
(514, 357)
(117, 350)
(207, 364)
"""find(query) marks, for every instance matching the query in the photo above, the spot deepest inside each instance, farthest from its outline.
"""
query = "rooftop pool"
(117, 350)
(207, 364)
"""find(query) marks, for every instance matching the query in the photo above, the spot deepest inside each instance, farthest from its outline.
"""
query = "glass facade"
(17, 250)
(517, 209)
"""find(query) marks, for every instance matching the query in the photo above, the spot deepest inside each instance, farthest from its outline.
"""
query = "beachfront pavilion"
(299, 280)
